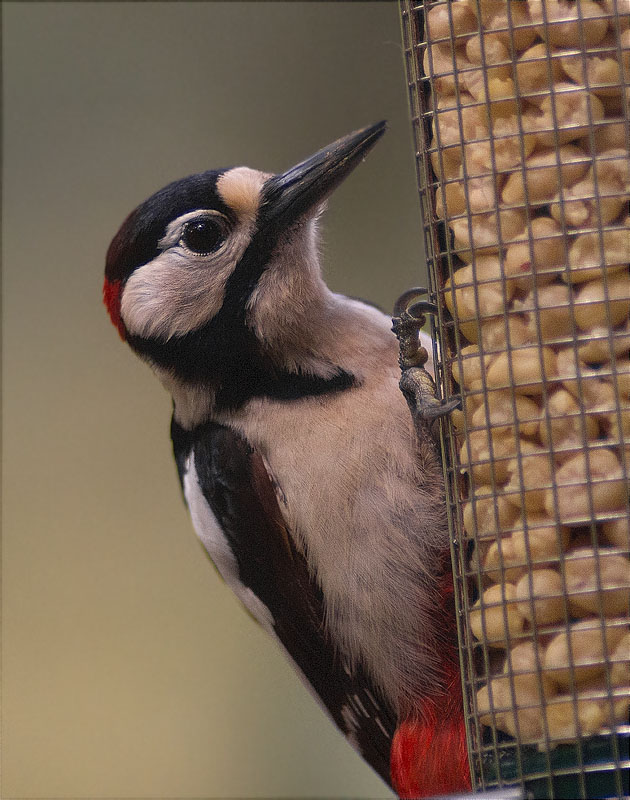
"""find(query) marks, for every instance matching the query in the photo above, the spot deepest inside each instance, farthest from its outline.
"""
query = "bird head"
(212, 267)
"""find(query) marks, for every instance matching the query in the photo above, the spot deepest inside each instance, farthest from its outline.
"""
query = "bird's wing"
(241, 493)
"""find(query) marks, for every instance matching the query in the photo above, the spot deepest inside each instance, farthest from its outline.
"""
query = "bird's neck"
(329, 352)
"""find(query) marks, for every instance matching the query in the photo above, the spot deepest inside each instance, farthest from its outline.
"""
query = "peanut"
(566, 426)
(530, 476)
(486, 457)
(601, 344)
(541, 257)
(617, 532)
(541, 596)
(536, 71)
(478, 290)
(579, 653)
(566, 114)
(599, 303)
(480, 234)
(586, 570)
(524, 368)
(561, 713)
(469, 368)
(447, 19)
(495, 618)
(516, 701)
(497, 333)
(561, 23)
(440, 61)
(537, 181)
(538, 540)
(600, 197)
(505, 412)
(602, 71)
(548, 313)
(592, 254)
(485, 514)
(509, 21)
(590, 482)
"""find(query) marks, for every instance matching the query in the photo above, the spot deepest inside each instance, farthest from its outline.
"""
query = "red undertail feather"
(429, 755)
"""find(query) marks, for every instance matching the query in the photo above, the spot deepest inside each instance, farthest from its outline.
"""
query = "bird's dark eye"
(203, 236)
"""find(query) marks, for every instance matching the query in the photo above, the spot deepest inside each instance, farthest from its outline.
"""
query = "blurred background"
(129, 670)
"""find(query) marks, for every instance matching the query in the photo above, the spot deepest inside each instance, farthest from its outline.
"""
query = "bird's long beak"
(288, 196)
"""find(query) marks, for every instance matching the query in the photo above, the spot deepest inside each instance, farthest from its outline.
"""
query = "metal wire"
(520, 116)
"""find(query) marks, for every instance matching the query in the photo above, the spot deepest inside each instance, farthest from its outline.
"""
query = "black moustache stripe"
(226, 355)
(237, 370)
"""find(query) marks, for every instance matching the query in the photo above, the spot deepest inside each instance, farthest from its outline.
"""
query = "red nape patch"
(111, 298)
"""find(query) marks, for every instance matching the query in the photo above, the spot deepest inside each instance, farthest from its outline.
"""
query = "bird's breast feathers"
(350, 495)
(235, 509)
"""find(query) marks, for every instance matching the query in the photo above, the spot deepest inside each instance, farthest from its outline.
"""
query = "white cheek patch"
(178, 292)
(214, 540)
(239, 188)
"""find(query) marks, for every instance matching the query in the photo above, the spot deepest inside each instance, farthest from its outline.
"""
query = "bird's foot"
(409, 317)
(416, 384)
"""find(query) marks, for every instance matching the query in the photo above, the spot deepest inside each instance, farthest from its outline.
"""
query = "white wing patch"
(214, 540)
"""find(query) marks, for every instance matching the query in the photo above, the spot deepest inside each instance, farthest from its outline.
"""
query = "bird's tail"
(429, 755)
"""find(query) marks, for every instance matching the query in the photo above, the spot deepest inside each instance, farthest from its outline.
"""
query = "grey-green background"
(128, 668)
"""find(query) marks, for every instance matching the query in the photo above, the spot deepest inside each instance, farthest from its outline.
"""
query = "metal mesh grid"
(521, 123)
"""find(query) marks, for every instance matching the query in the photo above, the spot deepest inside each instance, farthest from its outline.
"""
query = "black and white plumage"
(233, 502)
(317, 501)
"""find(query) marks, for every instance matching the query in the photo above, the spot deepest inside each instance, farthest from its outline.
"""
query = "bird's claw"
(416, 383)
(407, 320)
(435, 408)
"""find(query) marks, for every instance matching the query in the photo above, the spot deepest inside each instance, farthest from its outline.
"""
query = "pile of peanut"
(531, 154)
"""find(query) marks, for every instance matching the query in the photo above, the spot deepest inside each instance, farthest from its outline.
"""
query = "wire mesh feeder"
(521, 121)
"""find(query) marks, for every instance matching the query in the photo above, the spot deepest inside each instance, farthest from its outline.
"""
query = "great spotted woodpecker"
(316, 496)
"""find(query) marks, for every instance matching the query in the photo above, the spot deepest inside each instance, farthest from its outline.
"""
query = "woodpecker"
(316, 496)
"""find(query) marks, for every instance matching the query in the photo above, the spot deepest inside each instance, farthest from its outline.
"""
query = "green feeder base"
(600, 772)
